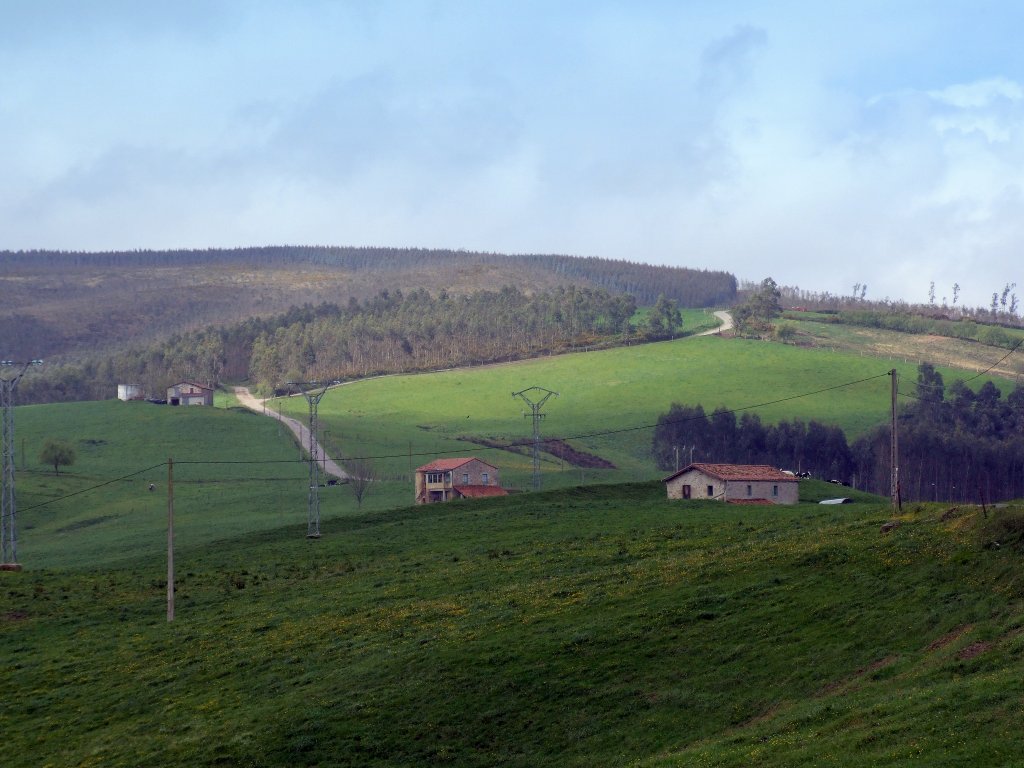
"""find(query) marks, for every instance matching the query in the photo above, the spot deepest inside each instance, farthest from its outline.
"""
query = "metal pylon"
(313, 391)
(8, 499)
(535, 407)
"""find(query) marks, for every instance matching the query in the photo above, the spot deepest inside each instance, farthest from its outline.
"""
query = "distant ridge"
(689, 287)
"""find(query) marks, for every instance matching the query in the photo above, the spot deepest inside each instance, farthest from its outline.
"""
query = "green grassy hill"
(234, 472)
(594, 626)
(237, 472)
(609, 398)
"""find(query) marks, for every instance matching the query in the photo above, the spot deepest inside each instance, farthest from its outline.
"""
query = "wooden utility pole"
(170, 540)
(894, 454)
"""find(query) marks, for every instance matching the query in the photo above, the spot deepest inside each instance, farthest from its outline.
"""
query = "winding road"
(726, 325)
(301, 432)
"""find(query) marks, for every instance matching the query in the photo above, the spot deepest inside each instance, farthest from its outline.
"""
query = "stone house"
(734, 483)
(189, 393)
(447, 479)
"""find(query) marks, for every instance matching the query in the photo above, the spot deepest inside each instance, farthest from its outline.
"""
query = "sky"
(822, 144)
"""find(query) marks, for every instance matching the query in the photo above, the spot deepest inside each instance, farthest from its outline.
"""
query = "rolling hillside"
(239, 472)
(586, 625)
(596, 626)
(72, 304)
(608, 402)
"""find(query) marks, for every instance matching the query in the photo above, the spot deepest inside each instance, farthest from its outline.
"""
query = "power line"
(94, 487)
(977, 375)
(521, 444)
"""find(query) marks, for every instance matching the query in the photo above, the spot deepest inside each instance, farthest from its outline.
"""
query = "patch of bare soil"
(949, 637)
(15, 616)
(557, 448)
(851, 680)
(570, 455)
(974, 649)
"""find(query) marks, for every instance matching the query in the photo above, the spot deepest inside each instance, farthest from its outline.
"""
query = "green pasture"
(237, 472)
(234, 472)
(597, 626)
(608, 402)
(694, 320)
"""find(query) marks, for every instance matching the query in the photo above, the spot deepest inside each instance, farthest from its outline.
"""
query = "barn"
(189, 393)
(734, 483)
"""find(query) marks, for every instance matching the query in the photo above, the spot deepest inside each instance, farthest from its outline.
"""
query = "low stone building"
(189, 393)
(462, 478)
(735, 483)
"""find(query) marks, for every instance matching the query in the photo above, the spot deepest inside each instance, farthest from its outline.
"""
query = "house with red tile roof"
(734, 483)
(462, 478)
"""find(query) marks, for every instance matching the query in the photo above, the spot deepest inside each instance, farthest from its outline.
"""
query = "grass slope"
(594, 626)
(407, 420)
(88, 514)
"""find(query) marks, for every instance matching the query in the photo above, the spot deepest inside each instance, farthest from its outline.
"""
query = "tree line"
(686, 432)
(955, 444)
(392, 332)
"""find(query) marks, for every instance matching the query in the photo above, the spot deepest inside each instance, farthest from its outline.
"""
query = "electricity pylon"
(8, 501)
(535, 407)
(313, 391)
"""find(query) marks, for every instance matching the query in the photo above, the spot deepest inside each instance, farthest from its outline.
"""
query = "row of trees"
(1004, 306)
(390, 333)
(687, 431)
(954, 444)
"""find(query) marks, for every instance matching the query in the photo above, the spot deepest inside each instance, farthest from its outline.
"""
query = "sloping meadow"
(582, 627)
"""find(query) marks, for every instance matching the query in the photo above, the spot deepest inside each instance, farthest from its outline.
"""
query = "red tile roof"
(752, 472)
(480, 491)
(444, 465)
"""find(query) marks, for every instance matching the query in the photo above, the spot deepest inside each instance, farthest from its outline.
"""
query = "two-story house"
(447, 479)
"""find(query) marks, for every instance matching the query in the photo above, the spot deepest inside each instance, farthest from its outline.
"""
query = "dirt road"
(726, 325)
(245, 397)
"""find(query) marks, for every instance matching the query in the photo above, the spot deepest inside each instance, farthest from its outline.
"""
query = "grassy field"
(100, 509)
(237, 472)
(608, 403)
(599, 626)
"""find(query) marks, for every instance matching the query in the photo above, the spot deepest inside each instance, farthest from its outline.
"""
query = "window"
(435, 477)
(465, 478)
(750, 491)
(711, 490)
(775, 490)
(484, 478)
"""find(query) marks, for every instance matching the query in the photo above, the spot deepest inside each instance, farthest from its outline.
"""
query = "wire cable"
(93, 487)
(520, 444)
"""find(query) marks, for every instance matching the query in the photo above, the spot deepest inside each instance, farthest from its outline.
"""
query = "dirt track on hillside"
(246, 398)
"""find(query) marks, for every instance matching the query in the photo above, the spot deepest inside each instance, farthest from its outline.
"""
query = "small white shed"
(129, 392)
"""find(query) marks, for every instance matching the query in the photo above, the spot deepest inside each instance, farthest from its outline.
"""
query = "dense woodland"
(955, 444)
(645, 282)
(392, 332)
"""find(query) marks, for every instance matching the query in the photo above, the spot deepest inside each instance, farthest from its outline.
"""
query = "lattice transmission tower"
(542, 396)
(313, 391)
(8, 499)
